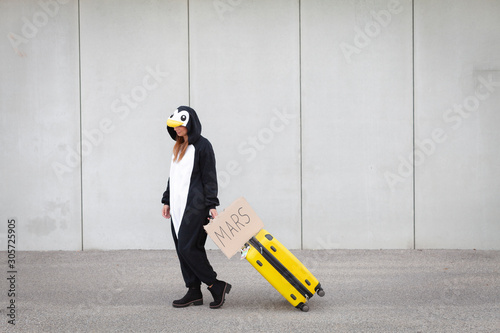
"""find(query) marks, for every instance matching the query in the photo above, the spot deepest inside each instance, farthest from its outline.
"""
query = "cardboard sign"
(234, 227)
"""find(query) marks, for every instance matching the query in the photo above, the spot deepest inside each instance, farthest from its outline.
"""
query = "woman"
(190, 197)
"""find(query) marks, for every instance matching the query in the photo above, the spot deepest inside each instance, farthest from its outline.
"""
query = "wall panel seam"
(300, 130)
(413, 115)
(188, 55)
(80, 111)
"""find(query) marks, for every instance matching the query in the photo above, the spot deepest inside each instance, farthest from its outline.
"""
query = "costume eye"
(183, 117)
(171, 115)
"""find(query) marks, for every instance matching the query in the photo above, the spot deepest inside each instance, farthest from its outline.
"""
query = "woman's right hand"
(166, 211)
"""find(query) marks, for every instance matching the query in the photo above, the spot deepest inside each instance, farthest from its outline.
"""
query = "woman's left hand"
(213, 213)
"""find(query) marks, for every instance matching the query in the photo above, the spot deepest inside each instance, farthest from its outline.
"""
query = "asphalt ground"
(366, 291)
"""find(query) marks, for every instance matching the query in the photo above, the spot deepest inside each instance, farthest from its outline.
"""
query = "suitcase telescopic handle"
(256, 244)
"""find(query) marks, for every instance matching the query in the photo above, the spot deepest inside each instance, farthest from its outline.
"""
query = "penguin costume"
(190, 195)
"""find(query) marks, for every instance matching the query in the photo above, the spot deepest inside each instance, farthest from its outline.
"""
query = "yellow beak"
(173, 123)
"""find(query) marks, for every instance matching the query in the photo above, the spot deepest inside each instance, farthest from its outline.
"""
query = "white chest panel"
(180, 178)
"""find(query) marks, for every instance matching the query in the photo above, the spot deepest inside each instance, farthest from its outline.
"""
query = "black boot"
(219, 290)
(193, 296)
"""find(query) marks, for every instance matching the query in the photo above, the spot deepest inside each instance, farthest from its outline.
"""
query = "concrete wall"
(40, 125)
(457, 93)
(356, 116)
(134, 70)
(314, 109)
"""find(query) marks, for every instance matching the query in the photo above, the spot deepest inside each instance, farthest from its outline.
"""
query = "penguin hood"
(185, 116)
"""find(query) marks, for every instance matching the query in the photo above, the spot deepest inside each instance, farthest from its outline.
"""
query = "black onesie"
(191, 193)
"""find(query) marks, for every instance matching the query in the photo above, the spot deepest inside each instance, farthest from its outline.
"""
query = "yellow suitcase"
(283, 270)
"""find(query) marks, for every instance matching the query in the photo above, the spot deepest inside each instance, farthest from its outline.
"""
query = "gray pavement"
(366, 291)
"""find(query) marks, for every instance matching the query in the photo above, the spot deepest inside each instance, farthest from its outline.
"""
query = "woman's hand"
(213, 213)
(166, 211)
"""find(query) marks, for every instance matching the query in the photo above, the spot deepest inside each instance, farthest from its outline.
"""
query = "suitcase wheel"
(303, 307)
(319, 290)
